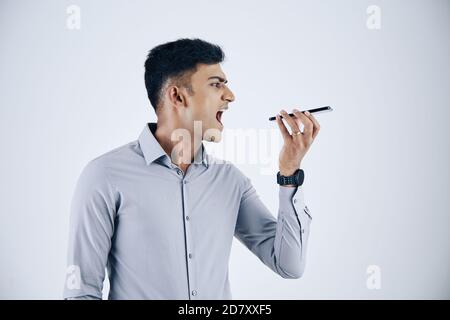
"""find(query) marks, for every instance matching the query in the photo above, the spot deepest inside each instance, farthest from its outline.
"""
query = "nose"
(228, 95)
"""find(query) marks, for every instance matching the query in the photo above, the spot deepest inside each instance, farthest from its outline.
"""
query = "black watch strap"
(296, 179)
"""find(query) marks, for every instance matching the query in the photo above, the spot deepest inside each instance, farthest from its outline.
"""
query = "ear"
(176, 96)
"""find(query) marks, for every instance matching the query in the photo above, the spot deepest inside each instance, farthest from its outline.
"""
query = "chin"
(213, 135)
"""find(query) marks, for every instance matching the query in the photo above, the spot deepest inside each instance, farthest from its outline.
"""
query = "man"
(160, 213)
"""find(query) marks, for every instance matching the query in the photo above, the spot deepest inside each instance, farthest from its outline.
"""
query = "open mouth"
(219, 117)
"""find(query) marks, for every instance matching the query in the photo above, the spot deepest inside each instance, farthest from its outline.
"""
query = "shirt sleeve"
(91, 227)
(279, 243)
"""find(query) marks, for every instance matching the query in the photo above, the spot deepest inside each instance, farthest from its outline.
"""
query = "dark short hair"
(176, 61)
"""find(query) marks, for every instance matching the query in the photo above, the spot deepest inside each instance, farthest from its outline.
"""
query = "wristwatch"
(296, 179)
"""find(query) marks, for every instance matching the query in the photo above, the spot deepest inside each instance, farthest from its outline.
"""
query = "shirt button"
(184, 181)
(179, 171)
(295, 200)
(303, 230)
(190, 255)
(187, 218)
(194, 293)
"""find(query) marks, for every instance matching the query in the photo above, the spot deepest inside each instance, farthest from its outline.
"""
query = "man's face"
(210, 100)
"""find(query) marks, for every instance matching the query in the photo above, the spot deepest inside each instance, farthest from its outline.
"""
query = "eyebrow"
(220, 79)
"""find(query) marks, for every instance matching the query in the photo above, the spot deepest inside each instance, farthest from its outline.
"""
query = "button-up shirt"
(162, 233)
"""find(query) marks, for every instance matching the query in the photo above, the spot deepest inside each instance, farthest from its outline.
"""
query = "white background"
(377, 176)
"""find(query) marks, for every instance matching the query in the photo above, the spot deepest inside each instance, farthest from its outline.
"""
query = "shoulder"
(117, 155)
(97, 171)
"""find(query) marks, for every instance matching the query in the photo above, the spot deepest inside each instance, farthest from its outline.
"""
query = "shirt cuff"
(286, 193)
(292, 197)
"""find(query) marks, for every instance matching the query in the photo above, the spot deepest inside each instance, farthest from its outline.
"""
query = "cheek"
(202, 113)
(204, 107)
(207, 110)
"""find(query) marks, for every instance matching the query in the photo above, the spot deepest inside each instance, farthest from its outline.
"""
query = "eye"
(217, 84)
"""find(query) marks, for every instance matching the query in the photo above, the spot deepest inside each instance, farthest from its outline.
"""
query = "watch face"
(300, 177)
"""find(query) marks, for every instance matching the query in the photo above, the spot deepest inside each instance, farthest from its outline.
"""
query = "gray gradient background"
(377, 176)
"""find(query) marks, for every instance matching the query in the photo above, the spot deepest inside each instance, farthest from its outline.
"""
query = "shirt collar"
(152, 150)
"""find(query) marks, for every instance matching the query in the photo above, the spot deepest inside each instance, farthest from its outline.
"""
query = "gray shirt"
(165, 234)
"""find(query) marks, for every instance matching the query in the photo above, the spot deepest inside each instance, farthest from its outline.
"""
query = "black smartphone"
(312, 111)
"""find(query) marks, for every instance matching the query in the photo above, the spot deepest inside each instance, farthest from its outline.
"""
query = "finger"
(291, 122)
(307, 123)
(283, 129)
(316, 128)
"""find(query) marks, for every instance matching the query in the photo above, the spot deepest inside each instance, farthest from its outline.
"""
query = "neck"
(184, 145)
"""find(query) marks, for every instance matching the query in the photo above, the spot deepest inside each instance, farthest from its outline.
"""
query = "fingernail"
(307, 113)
